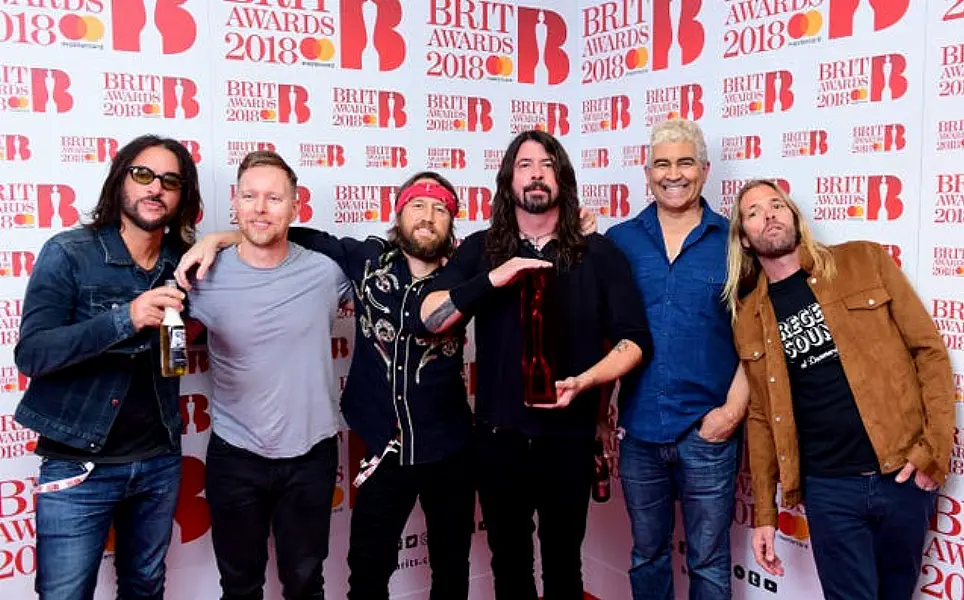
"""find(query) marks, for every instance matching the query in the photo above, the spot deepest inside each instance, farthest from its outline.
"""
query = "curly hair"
(183, 227)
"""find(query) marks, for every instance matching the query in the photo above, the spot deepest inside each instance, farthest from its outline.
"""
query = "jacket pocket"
(752, 357)
(871, 299)
(752, 352)
(108, 298)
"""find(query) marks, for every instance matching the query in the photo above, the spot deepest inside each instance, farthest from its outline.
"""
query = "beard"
(774, 247)
(535, 206)
(259, 238)
(427, 250)
(129, 208)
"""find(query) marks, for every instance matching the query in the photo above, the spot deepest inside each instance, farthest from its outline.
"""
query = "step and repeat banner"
(856, 107)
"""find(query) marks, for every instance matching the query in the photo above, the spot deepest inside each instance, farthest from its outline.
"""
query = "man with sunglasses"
(109, 424)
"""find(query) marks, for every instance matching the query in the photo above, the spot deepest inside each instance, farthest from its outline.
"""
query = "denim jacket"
(77, 339)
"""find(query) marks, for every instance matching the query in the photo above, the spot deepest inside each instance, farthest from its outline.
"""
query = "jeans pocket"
(52, 469)
(699, 437)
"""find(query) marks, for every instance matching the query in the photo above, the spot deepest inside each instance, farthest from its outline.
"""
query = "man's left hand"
(718, 425)
(921, 479)
(566, 390)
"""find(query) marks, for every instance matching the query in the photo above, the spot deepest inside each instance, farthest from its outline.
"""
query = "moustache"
(536, 186)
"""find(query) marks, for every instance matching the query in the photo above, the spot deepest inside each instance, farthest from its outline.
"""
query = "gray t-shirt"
(269, 340)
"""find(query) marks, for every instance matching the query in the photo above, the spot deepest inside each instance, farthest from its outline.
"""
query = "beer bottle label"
(178, 349)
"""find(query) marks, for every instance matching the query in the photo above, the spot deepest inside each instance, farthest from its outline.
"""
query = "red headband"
(429, 190)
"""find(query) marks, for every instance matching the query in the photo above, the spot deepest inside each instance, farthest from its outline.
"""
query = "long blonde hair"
(743, 266)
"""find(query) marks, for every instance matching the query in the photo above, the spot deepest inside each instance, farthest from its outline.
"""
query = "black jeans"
(250, 495)
(382, 507)
(519, 476)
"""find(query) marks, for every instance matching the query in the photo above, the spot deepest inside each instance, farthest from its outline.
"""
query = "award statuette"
(538, 335)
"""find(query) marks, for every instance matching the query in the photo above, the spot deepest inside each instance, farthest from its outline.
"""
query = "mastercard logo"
(320, 49)
(24, 219)
(794, 526)
(16, 102)
(806, 24)
(338, 498)
(855, 211)
(151, 110)
(959, 271)
(82, 29)
(637, 58)
(499, 66)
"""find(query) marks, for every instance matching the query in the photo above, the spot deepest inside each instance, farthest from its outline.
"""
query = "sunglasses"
(145, 176)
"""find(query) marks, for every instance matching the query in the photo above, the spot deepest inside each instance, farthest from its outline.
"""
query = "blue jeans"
(72, 526)
(703, 476)
(867, 534)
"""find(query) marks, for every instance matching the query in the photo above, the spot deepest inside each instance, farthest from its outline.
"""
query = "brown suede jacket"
(894, 358)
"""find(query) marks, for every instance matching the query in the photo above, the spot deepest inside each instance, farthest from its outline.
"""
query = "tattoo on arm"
(440, 315)
(622, 346)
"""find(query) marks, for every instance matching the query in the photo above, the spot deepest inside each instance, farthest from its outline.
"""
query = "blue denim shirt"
(694, 358)
(77, 339)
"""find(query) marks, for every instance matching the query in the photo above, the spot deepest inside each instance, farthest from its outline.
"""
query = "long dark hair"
(502, 239)
(182, 228)
(395, 233)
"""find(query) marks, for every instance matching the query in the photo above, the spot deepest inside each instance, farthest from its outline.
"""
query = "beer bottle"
(600, 484)
(173, 341)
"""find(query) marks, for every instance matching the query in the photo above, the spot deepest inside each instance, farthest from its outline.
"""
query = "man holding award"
(549, 302)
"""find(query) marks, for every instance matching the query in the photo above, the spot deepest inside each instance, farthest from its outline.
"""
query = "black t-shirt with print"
(833, 440)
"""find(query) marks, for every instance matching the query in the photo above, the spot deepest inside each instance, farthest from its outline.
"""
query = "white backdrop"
(855, 106)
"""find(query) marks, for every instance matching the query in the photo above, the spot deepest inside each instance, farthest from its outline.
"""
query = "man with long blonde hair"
(851, 397)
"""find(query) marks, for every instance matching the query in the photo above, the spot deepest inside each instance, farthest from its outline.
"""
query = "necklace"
(534, 239)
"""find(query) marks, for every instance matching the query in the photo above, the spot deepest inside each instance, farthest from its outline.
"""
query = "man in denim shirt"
(680, 416)
(109, 424)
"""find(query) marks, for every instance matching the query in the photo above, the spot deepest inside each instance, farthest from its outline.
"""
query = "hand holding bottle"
(147, 310)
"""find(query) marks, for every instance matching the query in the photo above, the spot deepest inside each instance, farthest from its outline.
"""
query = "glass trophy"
(539, 325)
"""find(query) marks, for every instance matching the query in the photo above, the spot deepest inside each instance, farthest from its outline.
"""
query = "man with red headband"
(405, 396)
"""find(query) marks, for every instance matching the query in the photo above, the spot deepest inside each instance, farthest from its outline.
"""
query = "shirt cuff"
(466, 295)
(765, 517)
(123, 323)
